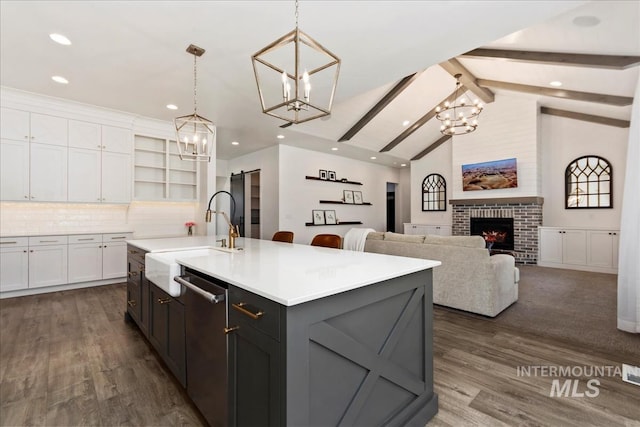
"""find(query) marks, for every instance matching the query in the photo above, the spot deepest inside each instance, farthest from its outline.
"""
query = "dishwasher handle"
(213, 299)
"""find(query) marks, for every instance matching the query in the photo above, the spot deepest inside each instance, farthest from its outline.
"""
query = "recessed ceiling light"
(172, 107)
(586, 21)
(555, 83)
(406, 123)
(403, 164)
(280, 136)
(60, 79)
(59, 38)
(334, 148)
(235, 143)
(373, 157)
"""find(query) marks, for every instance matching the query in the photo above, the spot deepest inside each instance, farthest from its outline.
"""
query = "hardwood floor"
(68, 358)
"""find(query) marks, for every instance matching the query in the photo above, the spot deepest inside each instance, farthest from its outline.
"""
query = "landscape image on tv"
(490, 175)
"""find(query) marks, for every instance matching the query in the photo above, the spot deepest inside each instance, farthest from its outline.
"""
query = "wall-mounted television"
(490, 175)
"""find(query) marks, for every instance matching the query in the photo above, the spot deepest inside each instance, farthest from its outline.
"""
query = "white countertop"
(70, 232)
(288, 273)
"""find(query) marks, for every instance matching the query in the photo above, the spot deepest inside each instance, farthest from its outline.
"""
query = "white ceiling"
(130, 56)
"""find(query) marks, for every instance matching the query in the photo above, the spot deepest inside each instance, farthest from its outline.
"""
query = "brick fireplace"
(526, 213)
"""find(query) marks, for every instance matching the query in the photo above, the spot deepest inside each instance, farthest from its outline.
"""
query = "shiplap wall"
(508, 129)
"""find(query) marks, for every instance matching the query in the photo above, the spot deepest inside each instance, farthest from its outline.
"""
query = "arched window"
(588, 183)
(434, 193)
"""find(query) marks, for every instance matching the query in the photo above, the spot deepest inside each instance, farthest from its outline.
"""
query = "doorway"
(245, 188)
(391, 206)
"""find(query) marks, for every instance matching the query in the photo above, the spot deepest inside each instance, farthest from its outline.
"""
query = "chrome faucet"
(234, 231)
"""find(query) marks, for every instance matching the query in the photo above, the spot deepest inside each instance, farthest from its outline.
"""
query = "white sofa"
(469, 278)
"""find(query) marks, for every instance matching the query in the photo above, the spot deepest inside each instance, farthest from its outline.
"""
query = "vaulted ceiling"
(130, 56)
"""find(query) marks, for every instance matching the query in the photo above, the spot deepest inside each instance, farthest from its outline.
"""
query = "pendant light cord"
(296, 13)
(195, 84)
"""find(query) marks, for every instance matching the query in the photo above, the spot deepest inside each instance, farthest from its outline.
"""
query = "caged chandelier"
(195, 135)
(284, 72)
(458, 116)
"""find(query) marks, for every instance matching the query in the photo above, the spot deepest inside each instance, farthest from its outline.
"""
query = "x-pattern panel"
(378, 364)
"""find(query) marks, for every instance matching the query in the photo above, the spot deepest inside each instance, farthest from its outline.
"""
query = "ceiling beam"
(585, 117)
(613, 62)
(431, 147)
(417, 125)
(600, 98)
(453, 67)
(386, 100)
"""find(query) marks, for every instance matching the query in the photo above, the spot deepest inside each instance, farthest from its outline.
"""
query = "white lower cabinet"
(603, 248)
(85, 262)
(580, 249)
(423, 229)
(14, 268)
(47, 266)
(114, 260)
(42, 261)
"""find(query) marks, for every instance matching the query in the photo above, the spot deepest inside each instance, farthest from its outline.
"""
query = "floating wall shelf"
(310, 224)
(338, 181)
(340, 202)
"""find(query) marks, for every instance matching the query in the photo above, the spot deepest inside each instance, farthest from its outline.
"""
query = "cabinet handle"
(26, 197)
(48, 241)
(119, 237)
(132, 273)
(31, 251)
(8, 243)
(133, 252)
(240, 307)
(25, 251)
(88, 238)
(231, 329)
(131, 303)
(164, 300)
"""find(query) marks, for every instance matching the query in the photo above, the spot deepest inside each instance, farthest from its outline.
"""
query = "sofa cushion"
(405, 238)
(375, 235)
(465, 241)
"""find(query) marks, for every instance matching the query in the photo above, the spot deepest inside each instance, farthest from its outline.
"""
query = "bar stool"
(283, 236)
(327, 241)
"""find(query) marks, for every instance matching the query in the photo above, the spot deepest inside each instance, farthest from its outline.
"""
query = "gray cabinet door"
(133, 290)
(175, 355)
(158, 311)
(254, 377)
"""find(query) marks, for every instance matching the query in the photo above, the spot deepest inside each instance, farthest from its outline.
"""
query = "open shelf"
(340, 202)
(149, 150)
(310, 224)
(337, 181)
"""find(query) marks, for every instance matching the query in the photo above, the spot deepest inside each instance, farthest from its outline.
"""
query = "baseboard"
(67, 287)
(578, 267)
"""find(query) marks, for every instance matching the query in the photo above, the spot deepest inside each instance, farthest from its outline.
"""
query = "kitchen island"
(315, 336)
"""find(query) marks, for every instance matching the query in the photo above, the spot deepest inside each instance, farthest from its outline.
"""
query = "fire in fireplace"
(497, 232)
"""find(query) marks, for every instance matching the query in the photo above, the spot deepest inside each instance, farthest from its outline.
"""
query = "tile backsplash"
(145, 219)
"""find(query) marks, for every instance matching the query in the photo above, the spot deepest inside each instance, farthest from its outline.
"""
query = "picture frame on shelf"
(332, 175)
(322, 174)
(348, 196)
(318, 217)
(357, 197)
(330, 217)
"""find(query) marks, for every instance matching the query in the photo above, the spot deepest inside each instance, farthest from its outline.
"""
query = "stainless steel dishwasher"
(206, 345)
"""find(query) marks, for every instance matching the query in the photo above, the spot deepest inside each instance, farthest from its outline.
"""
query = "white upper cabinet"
(116, 177)
(48, 173)
(117, 140)
(47, 129)
(14, 170)
(84, 175)
(84, 135)
(14, 124)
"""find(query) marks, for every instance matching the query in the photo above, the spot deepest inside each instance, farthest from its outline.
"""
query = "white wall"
(267, 161)
(437, 161)
(564, 140)
(300, 196)
(507, 128)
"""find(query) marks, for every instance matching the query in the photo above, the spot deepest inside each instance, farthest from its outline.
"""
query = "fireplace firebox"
(497, 232)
